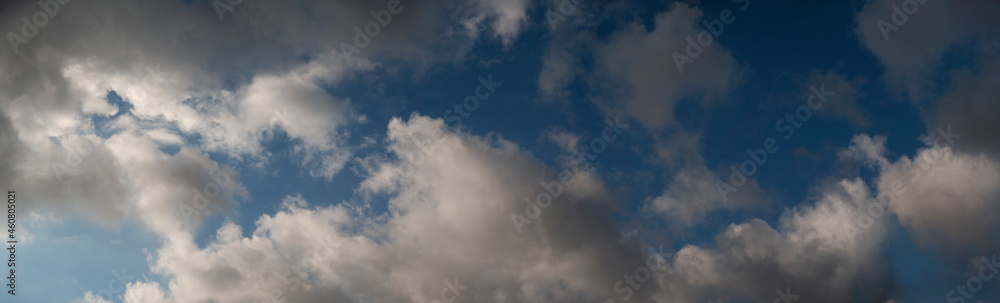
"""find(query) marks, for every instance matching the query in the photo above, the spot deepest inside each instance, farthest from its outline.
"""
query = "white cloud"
(692, 194)
(509, 17)
(814, 253)
(90, 297)
(189, 76)
(947, 200)
(693, 190)
(449, 218)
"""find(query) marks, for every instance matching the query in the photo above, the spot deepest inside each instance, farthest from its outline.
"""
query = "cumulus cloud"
(692, 194)
(817, 253)
(90, 297)
(868, 149)
(970, 105)
(693, 191)
(102, 118)
(948, 200)
(911, 45)
(946, 193)
(914, 56)
(79, 174)
(646, 84)
(652, 84)
(509, 17)
(449, 219)
(216, 85)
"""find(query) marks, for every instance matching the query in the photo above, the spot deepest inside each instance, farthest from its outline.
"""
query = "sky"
(501, 151)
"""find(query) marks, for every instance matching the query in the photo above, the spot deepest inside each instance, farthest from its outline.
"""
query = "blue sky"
(116, 116)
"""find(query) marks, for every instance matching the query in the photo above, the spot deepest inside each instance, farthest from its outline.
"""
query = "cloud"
(845, 104)
(867, 149)
(559, 67)
(449, 219)
(650, 84)
(103, 119)
(509, 17)
(946, 194)
(916, 48)
(815, 253)
(969, 107)
(197, 83)
(187, 73)
(640, 60)
(10, 147)
(948, 95)
(947, 200)
(90, 297)
(307, 112)
(692, 194)
(79, 174)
